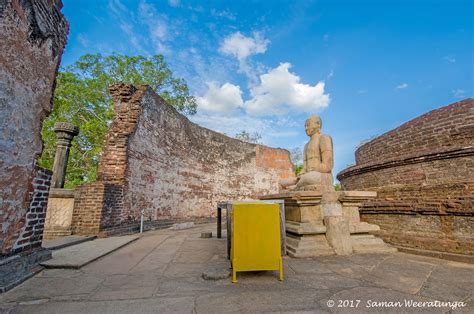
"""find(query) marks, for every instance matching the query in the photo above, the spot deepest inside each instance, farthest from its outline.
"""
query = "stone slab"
(307, 246)
(82, 254)
(63, 242)
(363, 227)
(303, 228)
(367, 243)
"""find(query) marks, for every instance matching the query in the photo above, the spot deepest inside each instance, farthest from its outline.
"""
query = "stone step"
(363, 227)
(305, 253)
(374, 249)
(79, 255)
(303, 228)
(308, 246)
(56, 232)
(63, 242)
(366, 241)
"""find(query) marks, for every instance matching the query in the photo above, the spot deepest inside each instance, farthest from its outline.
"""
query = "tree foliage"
(81, 97)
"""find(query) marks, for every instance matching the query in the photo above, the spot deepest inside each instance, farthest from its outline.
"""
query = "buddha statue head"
(313, 125)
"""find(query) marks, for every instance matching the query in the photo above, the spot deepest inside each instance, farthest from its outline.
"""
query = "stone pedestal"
(320, 223)
(305, 229)
(59, 214)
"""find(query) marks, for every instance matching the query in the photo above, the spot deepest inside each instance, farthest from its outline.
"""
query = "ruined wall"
(173, 168)
(32, 37)
(28, 231)
(423, 172)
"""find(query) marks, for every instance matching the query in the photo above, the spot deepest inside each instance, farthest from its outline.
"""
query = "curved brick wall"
(155, 159)
(447, 128)
(423, 172)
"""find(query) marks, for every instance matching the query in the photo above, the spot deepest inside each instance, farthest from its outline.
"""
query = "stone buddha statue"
(318, 161)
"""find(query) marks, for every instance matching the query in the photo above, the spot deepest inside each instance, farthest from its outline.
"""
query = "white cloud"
(280, 91)
(459, 93)
(269, 129)
(402, 86)
(362, 91)
(221, 99)
(126, 19)
(157, 25)
(242, 47)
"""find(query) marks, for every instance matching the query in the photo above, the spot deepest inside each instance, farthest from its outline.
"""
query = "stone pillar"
(65, 132)
(337, 225)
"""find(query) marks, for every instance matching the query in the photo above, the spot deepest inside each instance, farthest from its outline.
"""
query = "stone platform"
(162, 271)
(320, 223)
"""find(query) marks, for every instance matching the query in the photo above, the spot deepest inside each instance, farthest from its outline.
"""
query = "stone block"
(301, 246)
(338, 234)
(363, 227)
(302, 228)
(367, 243)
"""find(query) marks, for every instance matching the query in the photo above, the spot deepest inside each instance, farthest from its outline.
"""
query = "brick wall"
(32, 37)
(157, 160)
(423, 172)
(27, 233)
(447, 128)
(97, 206)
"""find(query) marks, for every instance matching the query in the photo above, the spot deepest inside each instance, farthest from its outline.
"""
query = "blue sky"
(264, 66)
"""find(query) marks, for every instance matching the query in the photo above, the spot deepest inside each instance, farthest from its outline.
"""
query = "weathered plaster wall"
(423, 172)
(173, 168)
(32, 37)
(179, 169)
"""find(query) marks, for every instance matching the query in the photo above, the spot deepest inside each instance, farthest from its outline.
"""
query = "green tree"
(81, 97)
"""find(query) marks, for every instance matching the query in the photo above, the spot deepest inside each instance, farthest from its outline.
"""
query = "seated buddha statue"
(318, 161)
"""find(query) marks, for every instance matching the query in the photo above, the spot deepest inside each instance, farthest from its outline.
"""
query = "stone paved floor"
(161, 272)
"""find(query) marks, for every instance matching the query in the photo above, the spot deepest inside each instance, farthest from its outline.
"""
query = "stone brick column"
(65, 133)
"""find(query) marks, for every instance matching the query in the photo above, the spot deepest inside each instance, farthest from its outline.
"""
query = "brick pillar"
(65, 133)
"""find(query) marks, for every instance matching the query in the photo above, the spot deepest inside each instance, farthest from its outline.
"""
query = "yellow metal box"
(255, 238)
